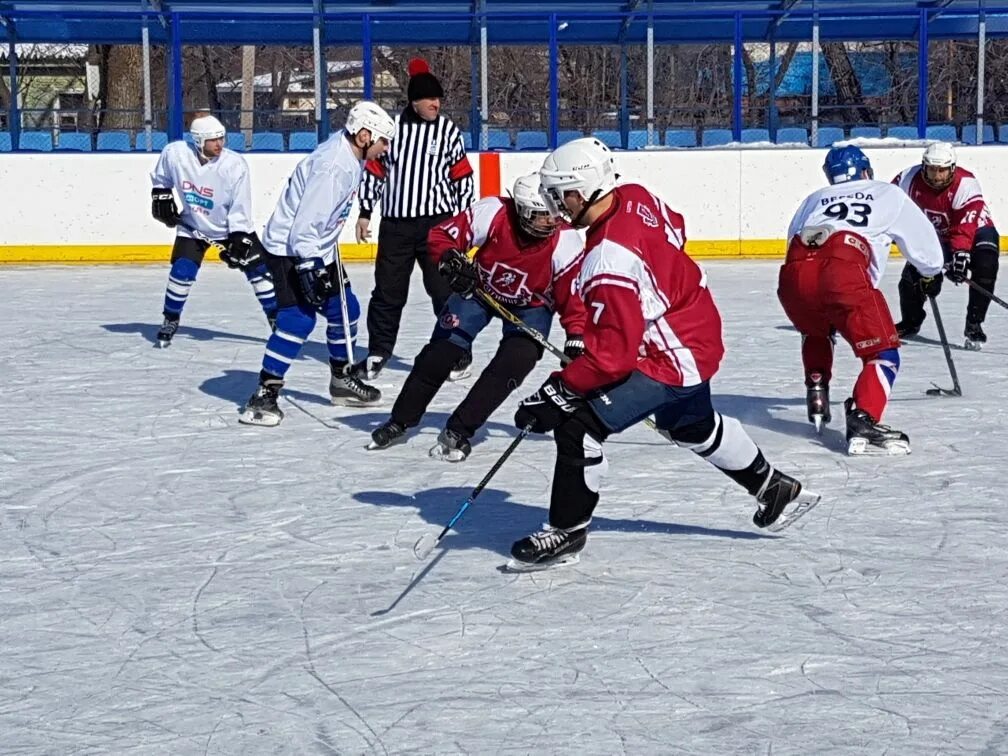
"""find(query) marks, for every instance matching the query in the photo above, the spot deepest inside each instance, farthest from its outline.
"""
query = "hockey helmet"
(534, 217)
(584, 166)
(846, 164)
(371, 116)
(204, 129)
(938, 165)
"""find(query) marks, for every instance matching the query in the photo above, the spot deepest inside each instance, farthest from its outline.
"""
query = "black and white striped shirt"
(425, 171)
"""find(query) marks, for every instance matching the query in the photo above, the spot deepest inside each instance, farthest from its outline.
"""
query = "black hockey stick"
(215, 245)
(537, 337)
(426, 544)
(990, 295)
(938, 390)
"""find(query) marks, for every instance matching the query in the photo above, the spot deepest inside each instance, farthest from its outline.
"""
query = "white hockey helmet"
(534, 217)
(940, 155)
(368, 115)
(582, 165)
(206, 128)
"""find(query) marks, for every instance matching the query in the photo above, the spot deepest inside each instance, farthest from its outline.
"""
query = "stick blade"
(424, 546)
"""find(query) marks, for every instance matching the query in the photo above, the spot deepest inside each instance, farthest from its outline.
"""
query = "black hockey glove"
(315, 281)
(930, 286)
(163, 207)
(958, 269)
(574, 346)
(460, 272)
(242, 250)
(548, 407)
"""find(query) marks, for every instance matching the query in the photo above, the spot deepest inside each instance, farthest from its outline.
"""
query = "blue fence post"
(624, 104)
(13, 114)
(922, 75)
(737, 81)
(554, 81)
(475, 116)
(175, 109)
(367, 51)
(322, 76)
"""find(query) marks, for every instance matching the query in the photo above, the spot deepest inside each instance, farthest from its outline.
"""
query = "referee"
(424, 178)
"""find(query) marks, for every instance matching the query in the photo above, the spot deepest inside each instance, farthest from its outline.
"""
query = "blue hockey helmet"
(845, 164)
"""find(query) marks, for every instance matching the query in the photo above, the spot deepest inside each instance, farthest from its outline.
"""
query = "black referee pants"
(402, 242)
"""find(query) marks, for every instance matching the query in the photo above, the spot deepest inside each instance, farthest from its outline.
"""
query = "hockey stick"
(938, 390)
(343, 307)
(536, 336)
(990, 295)
(215, 245)
(426, 544)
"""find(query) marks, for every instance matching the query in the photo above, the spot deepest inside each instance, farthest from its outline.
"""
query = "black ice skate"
(781, 501)
(551, 547)
(346, 389)
(387, 434)
(370, 367)
(975, 337)
(865, 436)
(168, 328)
(261, 408)
(451, 447)
(906, 329)
(817, 401)
(460, 369)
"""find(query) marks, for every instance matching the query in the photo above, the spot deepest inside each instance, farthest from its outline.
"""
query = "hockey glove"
(163, 207)
(548, 407)
(930, 286)
(574, 346)
(958, 269)
(242, 250)
(315, 282)
(460, 272)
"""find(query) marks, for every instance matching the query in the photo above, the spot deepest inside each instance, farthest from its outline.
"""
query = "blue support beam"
(554, 81)
(922, 74)
(737, 81)
(13, 112)
(176, 112)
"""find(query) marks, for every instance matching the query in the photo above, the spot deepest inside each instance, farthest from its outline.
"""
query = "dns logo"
(201, 196)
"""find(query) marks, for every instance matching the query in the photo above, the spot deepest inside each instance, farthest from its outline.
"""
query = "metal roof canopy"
(400, 22)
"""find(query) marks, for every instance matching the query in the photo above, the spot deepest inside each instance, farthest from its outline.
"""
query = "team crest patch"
(939, 220)
(508, 284)
(646, 215)
(449, 321)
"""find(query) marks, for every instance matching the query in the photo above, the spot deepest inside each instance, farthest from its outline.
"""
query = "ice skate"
(451, 447)
(550, 547)
(261, 408)
(370, 367)
(461, 369)
(975, 337)
(905, 329)
(817, 402)
(168, 328)
(387, 434)
(782, 501)
(865, 436)
(346, 389)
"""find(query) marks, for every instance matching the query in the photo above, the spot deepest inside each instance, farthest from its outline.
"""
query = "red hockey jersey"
(648, 304)
(956, 211)
(514, 270)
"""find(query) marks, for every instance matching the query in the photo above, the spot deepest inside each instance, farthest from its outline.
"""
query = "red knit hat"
(422, 83)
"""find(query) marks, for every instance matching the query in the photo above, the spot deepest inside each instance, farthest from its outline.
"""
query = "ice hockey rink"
(174, 582)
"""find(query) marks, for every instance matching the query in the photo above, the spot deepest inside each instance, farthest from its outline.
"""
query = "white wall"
(725, 195)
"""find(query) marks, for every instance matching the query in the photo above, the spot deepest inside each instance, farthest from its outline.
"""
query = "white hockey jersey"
(315, 203)
(882, 214)
(216, 196)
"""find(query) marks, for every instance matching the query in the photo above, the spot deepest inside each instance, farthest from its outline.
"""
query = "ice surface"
(173, 582)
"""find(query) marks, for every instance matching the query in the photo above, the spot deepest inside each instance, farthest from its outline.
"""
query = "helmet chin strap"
(588, 203)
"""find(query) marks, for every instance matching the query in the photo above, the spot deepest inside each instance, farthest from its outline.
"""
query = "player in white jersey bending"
(839, 244)
(301, 239)
(216, 209)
